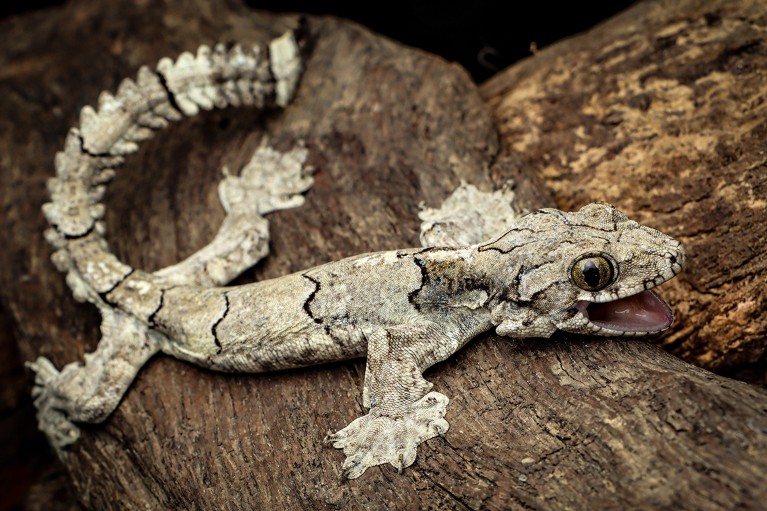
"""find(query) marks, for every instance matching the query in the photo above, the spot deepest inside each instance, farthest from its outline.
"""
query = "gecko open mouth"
(643, 312)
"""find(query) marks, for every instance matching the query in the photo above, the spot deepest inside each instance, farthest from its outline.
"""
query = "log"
(662, 111)
(546, 424)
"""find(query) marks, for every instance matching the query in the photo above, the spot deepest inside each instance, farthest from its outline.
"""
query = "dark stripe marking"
(104, 294)
(152, 319)
(491, 245)
(168, 92)
(86, 152)
(70, 237)
(412, 295)
(310, 298)
(218, 322)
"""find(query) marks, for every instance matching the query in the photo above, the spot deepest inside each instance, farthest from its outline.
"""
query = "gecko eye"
(592, 272)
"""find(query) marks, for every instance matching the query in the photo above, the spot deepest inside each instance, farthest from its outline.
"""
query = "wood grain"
(543, 424)
(662, 112)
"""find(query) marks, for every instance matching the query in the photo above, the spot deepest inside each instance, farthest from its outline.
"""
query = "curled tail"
(217, 77)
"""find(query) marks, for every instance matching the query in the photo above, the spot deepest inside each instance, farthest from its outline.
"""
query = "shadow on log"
(544, 424)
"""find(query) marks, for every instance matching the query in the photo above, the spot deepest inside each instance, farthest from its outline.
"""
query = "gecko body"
(588, 272)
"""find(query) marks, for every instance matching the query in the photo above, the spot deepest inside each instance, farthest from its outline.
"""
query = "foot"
(379, 438)
(51, 418)
(269, 182)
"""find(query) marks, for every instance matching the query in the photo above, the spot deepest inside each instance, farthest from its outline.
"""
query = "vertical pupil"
(591, 273)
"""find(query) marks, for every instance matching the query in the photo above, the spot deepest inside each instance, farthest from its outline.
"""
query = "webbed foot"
(271, 181)
(51, 418)
(390, 437)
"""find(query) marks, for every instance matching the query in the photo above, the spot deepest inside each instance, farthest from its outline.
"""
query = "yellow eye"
(592, 273)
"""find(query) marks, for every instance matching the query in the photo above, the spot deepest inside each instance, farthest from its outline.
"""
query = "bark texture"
(564, 423)
(663, 112)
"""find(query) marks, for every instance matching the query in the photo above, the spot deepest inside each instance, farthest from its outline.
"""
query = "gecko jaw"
(642, 313)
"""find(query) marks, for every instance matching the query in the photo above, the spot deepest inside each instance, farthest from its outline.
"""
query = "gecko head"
(588, 272)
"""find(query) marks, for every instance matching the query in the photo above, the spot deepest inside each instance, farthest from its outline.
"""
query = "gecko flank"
(589, 272)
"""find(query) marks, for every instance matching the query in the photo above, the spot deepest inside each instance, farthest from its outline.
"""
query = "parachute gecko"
(587, 272)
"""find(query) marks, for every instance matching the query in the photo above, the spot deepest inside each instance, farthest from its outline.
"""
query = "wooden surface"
(565, 423)
(662, 111)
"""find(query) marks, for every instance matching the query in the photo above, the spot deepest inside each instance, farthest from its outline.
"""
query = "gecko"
(587, 272)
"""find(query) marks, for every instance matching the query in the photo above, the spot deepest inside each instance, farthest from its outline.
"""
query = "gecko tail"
(216, 77)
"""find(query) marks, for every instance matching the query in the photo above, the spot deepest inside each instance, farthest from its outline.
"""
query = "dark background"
(483, 36)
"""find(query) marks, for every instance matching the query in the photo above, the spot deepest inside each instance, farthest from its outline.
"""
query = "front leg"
(403, 413)
(469, 216)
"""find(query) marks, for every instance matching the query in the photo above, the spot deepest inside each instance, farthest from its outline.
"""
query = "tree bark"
(563, 423)
(662, 112)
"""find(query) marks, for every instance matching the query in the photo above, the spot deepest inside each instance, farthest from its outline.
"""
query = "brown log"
(662, 112)
(545, 424)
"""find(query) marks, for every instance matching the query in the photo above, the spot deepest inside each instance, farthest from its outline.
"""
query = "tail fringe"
(217, 77)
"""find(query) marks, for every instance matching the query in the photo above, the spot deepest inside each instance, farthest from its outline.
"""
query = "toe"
(439, 426)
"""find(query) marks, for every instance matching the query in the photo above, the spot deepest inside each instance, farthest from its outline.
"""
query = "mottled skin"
(404, 310)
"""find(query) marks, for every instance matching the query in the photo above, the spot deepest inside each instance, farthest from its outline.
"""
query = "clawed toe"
(52, 420)
(352, 469)
(44, 370)
(375, 439)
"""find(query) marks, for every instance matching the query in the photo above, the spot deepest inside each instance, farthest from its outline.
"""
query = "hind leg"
(269, 182)
(90, 392)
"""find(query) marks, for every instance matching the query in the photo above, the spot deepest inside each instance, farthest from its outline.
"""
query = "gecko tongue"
(642, 312)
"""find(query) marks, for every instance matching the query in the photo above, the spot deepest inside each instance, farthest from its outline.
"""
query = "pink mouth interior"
(642, 312)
